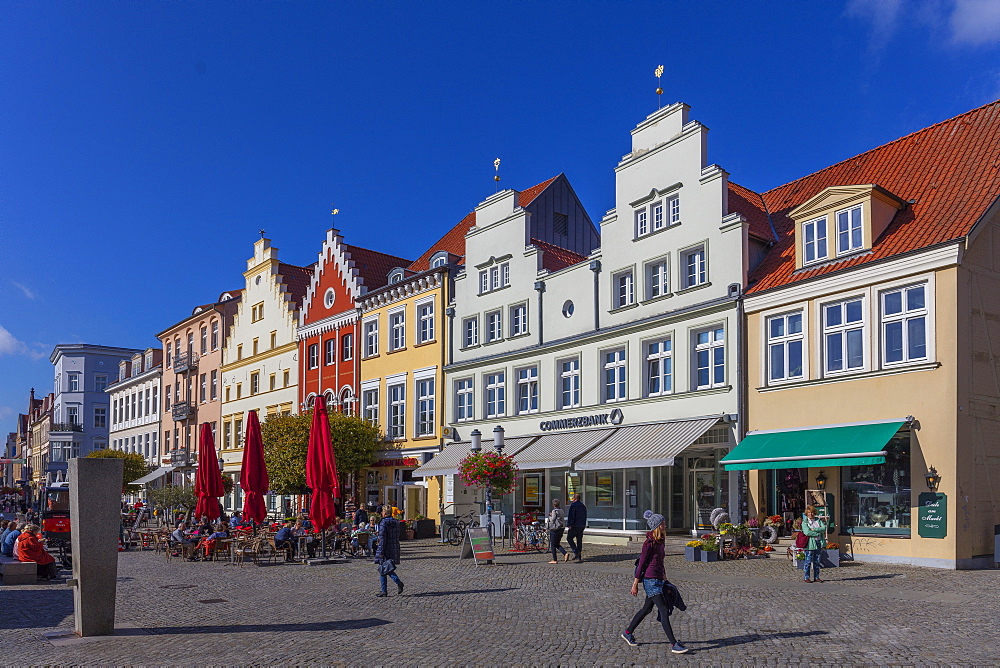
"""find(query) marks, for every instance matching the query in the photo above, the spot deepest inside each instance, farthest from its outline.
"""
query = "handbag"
(801, 541)
(386, 567)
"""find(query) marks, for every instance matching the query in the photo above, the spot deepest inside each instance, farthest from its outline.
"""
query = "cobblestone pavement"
(522, 611)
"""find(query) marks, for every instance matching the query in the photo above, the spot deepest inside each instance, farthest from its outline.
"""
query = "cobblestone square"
(522, 611)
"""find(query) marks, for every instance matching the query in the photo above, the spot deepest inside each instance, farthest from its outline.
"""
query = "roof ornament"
(496, 178)
(261, 233)
(659, 91)
(334, 211)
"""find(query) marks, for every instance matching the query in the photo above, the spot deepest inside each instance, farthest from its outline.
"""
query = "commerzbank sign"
(615, 417)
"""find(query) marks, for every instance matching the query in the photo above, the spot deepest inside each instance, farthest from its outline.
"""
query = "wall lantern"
(933, 479)
(821, 480)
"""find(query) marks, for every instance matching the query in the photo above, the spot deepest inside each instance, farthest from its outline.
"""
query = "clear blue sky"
(143, 144)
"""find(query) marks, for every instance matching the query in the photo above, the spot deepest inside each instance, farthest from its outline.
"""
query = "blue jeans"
(812, 557)
(384, 582)
(652, 586)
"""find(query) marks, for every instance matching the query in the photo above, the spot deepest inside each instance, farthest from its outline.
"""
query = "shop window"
(876, 498)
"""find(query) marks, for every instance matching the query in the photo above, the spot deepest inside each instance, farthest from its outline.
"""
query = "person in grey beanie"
(649, 571)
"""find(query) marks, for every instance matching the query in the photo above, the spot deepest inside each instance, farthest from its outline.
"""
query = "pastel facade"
(134, 397)
(39, 425)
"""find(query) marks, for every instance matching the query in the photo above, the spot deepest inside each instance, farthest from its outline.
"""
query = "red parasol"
(321, 469)
(253, 475)
(208, 480)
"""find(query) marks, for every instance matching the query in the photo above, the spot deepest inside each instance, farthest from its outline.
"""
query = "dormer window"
(439, 259)
(814, 240)
(849, 237)
(396, 276)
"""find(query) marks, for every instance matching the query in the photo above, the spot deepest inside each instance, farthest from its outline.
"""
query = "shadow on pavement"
(869, 577)
(457, 592)
(28, 609)
(341, 625)
(752, 637)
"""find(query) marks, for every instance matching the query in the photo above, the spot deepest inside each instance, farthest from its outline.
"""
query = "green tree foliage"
(135, 465)
(355, 441)
(174, 497)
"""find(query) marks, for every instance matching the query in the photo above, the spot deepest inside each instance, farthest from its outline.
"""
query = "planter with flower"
(772, 529)
(490, 471)
(406, 531)
(709, 547)
(692, 550)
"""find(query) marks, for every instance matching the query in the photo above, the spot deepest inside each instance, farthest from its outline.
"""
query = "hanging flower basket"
(488, 469)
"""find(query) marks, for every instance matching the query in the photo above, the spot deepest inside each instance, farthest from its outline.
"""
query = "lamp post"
(476, 437)
(498, 446)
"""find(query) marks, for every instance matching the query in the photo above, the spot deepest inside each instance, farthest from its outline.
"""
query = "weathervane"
(496, 178)
(261, 233)
(335, 211)
(659, 91)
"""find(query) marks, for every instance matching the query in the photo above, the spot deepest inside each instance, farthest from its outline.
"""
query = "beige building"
(191, 381)
(873, 350)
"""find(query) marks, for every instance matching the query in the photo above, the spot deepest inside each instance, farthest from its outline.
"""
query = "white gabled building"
(610, 362)
(134, 399)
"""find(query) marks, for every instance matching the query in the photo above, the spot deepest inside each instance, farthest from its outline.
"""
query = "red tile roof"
(374, 267)
(454, 239)
(554, 257)
(751, 206)
(296, 279)
(950, 170)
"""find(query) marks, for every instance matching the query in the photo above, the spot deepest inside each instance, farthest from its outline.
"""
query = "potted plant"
(830, 557)
(692, 551)
(710, 548)
(423, 527)
(754, 525)
(406, 531)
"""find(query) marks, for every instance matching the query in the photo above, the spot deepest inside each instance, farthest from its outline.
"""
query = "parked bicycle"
(457, 527)
(529, 534)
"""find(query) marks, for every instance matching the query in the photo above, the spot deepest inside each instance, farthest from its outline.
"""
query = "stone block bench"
(18, 572)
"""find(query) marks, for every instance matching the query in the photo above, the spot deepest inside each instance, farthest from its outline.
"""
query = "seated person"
(361, 532)
(7, 549)
(236, 520)
(299, 530)
(31, 547)
(188, 544)
(285, 538)
(360, 517)
(7, 528)
(220, 532)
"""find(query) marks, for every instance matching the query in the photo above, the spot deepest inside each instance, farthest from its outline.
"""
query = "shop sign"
(615, 417)
(392, 463)
(14, 461)
(932, 515)
(477, 545)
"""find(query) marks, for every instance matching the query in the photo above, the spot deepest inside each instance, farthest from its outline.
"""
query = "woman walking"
(557, 524)
(814, 527)
(650, 573)
(387, 554)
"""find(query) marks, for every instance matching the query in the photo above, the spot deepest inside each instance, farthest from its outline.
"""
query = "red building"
(329, 328)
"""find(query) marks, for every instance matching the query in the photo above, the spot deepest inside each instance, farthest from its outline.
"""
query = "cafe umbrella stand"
(321, 476)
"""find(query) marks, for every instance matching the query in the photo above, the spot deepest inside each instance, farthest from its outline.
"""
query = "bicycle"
(457, 527)
(529, 533)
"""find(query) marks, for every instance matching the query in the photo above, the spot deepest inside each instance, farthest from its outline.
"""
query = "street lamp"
(933, 479)
(498, 446)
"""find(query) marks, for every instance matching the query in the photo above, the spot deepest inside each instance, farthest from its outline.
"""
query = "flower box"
(829, 558)
(407, 534)
(709, 556)
(692, 553)
(424, 528)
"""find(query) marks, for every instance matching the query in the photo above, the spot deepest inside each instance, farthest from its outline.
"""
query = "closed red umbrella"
(208, 480)
(321, 469)
(253, 475)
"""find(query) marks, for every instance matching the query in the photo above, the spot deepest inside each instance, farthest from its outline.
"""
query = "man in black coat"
(576, 522)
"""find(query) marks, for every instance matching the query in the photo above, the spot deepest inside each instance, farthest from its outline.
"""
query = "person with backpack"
(556, 524)
(649, 572)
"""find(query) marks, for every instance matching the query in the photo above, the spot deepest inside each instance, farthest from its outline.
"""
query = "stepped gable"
(750, 205)
(454, 239)
(555, 258)
(950, 171)
(372, 266)
(296, 279)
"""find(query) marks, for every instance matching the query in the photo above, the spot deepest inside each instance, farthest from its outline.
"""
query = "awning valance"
(554, 451)
(856, 444)
(646, 444)
(150, 477)
(446, 462)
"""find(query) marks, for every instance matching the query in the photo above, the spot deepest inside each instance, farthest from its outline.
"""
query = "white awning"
(554, 451)
(150, 477)
(646, 444)
(446, 462)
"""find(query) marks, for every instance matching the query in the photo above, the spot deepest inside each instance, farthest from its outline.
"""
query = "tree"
(355, 441)
(135, 465)
(172, 498)
(286, 441)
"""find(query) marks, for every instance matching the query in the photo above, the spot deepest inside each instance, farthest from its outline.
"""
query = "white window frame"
(100, 382)
(659, 365)
(494, 326)
(313, 355)
(369, 401)
(716, 341)
(425, 321)
(397, 329)
(700, 266)
(347, 347)
(784, 341)
(614, 370)
(657, 278)
(843, 329)
(484, 281)
(818, 242)
(470, 331)
(904, 317)
(370, 329)
(73, 382)
(657, 221)
(641, 222)
(396, 422)
(623, 288)
(424, 392)
(329, 352)
(569, 382)
(494, 277)
(851, 229)
(101, 412)
(495, 394)
(527, 390)
(673, 205)
(519, 319)
(465, 399)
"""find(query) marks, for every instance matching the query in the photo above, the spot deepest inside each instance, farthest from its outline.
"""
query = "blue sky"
(143, 144)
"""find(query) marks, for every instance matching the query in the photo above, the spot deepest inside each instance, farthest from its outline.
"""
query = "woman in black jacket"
(650, 572)
(387, 554)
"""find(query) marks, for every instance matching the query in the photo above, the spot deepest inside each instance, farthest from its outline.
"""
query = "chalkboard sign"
(477, 544)
(932, 515)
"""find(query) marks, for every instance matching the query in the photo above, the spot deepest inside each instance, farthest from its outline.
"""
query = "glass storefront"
(876, 499)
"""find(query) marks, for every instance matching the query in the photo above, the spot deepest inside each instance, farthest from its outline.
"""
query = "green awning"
(856, 444)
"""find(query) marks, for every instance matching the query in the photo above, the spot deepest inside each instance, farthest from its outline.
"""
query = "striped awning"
(646, 444)
(446, 462)
(553, 451)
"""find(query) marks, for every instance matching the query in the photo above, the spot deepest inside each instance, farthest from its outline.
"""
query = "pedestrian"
(814, 527)
(387, 553)
(557, 524)
(649, 571)
(576, 521)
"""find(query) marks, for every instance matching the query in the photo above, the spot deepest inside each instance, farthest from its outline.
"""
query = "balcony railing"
(182, 410)
(65, 426)
(185, 362)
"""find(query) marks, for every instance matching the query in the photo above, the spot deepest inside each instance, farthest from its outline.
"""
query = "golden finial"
(496, 178)
(335, 211)
(659, 91)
